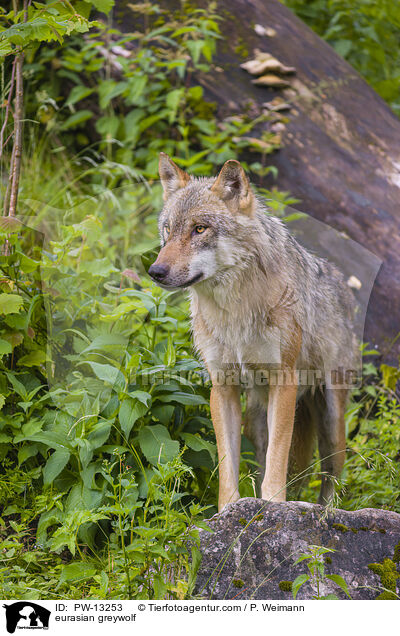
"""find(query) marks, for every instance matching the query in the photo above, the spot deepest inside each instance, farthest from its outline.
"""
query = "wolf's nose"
(158, 272)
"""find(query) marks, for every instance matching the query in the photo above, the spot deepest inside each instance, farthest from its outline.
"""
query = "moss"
(364, 528)
(382, 530)
(238, 583)
(388, 575)
(241, 48)
(328, 560)
(303, 512)
(340, 526)
(243, 522)
(355, 530)
(375, 567)
(285, 586)
(396, 553)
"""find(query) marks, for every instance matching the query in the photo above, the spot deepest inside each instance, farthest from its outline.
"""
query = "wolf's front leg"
(227, 416)
(281, 410)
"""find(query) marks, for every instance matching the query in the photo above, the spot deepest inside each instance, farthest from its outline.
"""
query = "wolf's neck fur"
(253, 280)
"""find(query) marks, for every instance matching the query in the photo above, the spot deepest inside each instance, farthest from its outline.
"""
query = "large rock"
(254, 546)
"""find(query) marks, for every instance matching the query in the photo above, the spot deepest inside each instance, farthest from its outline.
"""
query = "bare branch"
(17, 150)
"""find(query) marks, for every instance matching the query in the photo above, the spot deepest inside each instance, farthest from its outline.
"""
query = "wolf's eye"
(166, 231)
(199, 229)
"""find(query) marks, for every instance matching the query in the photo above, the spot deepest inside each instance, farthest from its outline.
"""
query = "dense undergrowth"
(108, 453)
(365, 33)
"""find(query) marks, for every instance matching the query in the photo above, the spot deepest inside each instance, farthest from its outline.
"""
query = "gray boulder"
(252, 550)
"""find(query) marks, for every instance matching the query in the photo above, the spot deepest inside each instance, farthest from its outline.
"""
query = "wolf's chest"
(234, 338)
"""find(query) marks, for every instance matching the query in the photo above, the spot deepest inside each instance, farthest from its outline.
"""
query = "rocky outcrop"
(252, 550)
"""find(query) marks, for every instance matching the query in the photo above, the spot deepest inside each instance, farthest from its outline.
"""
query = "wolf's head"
(202, 225)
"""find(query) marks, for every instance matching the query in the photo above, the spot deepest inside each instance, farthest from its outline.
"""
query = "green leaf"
(99, 267)
(194, 566)
(5, 48)
(137, 84)
(339, 580)
(330, 597)
(18, 387)
(173, 100)
(55, 464)
(159, 586)
(107, 373)
(27, 264)
(47, 519)
(298, 582)
(78, 92)
(142, 396)
(182, 398)
(30, 450)
(170, 354)
(50, 438)
(108, 89)
(99, 435)
(32, 359)
(195, 47)
(76, 119)
(106, 340)
(77, 572)
(5, 347)
(108, 126)
(196, 93)
(343, 47)
(390, 376)
(163, 412)
(130, 411)
(85, 451)
(104, 6)
(198, 444)
(10, 303)
(157, 445)
(183, 30)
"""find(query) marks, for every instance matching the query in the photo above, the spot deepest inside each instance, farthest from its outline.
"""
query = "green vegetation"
(108, 453)
(365, 33)
(317, 576)
(285, 586)
(388, 575)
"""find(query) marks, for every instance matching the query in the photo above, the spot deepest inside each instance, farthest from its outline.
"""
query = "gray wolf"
(262, 307)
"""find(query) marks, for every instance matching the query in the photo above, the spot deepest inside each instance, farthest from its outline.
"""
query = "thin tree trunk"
(11, 196)
(15, 168)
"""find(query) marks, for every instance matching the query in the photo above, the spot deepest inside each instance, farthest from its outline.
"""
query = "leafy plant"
(365, 33)
(317, 576)
(107, 447)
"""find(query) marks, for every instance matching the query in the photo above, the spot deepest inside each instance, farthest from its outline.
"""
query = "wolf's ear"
(171, 176)
(233, 187)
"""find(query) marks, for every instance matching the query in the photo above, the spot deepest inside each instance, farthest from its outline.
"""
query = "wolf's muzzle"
(158, 272)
